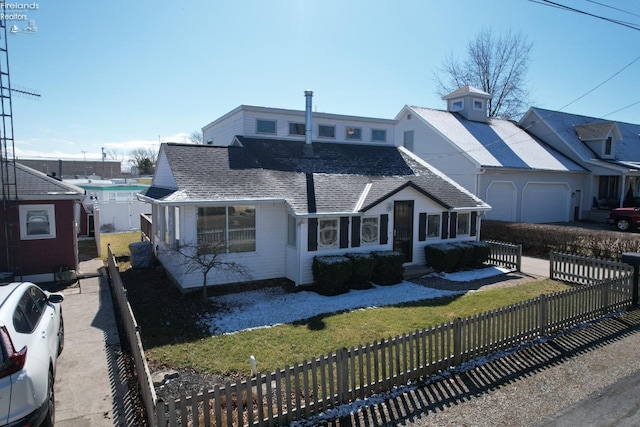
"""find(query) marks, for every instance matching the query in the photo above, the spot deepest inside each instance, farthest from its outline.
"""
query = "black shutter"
(474, 225)
(355, 231)
(384, 229)
(445, 225)
(312, 229)
(453, 225)
(344, 232)
(422, 227)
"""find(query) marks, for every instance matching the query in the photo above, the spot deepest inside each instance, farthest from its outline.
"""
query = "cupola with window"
(469, 102)
(600, 137)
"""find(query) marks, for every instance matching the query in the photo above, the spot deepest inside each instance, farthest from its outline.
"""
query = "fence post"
(542, 314)
(605, 296)
(342, 374)
(519, 266)
(457, 341)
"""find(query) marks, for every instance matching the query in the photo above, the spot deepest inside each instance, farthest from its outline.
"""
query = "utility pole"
(103, 154)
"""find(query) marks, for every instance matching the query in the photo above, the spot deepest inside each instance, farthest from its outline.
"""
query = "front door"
(403, 229)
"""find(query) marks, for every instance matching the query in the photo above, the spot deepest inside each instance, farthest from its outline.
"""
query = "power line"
(620, 109)
(614, 8)
(593, 15)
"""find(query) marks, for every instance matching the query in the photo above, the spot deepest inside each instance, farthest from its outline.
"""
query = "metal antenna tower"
(7, 160)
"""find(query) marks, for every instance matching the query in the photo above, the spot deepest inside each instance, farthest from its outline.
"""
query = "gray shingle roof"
(627, 149)
(331, 180)
(589, 131)
(32, 184)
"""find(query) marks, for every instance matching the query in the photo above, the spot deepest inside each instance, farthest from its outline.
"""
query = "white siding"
(242, 121)
(422, 204)
(222, 132)
(163, 176)
(267, 262)
(435, 150)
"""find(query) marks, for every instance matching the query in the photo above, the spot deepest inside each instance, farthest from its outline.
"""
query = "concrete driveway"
(91, 387)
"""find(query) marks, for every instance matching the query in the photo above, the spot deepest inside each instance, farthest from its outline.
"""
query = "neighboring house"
(277, 203)
(40, 225)
(609, 150)
(521, 177)
(119, 208)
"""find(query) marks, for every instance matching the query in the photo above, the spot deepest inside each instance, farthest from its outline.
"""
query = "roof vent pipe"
(308, 94)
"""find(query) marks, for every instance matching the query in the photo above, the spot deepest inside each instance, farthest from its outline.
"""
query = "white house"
(520, 176)
(275, 201)
(609, 150)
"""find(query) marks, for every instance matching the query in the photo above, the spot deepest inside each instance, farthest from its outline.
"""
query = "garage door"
(545, 202)
(502, 198)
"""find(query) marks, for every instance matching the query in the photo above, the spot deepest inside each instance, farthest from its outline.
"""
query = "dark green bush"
(331, 274)
(481, 253)
(362, 269)
(443, 256)
(456, 256)
(388, 269)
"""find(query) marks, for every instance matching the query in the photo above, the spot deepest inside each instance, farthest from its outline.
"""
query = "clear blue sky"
(125, 74)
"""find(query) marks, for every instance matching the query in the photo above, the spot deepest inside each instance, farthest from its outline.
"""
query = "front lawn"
(173, 336)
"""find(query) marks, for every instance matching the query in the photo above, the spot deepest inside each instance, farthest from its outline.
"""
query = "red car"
(625, 219)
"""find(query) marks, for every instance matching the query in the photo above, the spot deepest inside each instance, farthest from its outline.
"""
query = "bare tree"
(114, 154)
(144, 159)
(196, 137)
(205, 257)
(498, 66)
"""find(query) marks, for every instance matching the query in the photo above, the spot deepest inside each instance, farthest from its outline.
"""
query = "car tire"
(61, 336)
(623, 224)
(50, 418)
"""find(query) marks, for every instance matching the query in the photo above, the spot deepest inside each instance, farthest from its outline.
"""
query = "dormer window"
(478, 104)
(457, 105)
(608, 146)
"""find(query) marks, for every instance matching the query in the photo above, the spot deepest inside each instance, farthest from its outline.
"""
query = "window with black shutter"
(344, 232)
(313, 234)
(445, 225)
(355, 232)
(384, 229)
(422, 227)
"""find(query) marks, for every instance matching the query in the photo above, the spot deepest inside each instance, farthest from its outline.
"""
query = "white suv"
(31, 338)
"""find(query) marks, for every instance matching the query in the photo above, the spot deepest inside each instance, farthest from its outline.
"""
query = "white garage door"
(545, 202)
(502, 198)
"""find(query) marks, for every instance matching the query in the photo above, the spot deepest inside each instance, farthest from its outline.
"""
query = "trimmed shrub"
(362, 270)
(331, 273)
(465, 255)
(481, 253)
(388, 269)
(443, 256)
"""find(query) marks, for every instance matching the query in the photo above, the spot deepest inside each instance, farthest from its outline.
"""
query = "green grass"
(288, 344)
(119, 243)
(172, 336)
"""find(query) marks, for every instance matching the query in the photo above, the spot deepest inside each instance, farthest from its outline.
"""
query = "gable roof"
(566, 125)
(590, 131)
(35, 185)
(334, 178)
(496, 144)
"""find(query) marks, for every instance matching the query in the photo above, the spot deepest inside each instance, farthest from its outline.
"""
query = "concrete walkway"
(91, 388)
